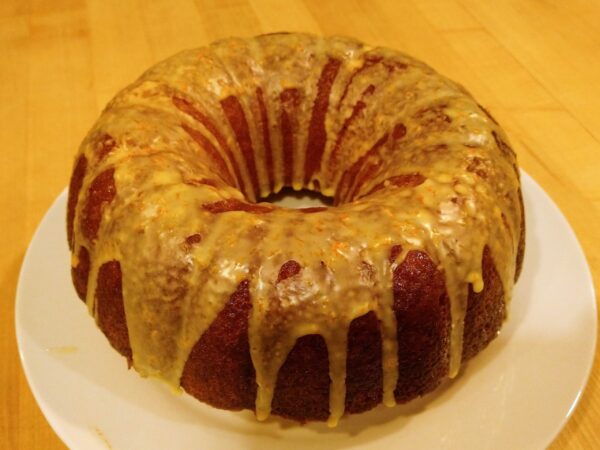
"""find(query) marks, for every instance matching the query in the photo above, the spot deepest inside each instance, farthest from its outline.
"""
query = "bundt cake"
(305, 313)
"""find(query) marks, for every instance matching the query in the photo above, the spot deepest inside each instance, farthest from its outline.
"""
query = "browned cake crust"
(221, 366)
(219, 370)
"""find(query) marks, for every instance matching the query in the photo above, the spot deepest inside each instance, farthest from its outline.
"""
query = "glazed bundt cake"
(303, 313)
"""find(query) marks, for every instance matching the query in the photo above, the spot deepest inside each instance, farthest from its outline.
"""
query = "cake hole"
(304, 198)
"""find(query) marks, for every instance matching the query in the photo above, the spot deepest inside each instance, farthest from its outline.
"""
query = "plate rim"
(62, 432)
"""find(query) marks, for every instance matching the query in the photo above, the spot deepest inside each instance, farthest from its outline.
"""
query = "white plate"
(517, 394)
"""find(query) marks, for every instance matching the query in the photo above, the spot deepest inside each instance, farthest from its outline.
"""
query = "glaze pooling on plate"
(165, 185)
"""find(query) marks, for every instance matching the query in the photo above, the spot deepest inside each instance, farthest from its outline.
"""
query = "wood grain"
(534, 64)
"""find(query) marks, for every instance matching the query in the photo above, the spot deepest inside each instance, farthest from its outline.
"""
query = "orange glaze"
(164, 221)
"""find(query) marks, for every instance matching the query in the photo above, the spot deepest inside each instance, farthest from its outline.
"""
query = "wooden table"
(534, 64)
